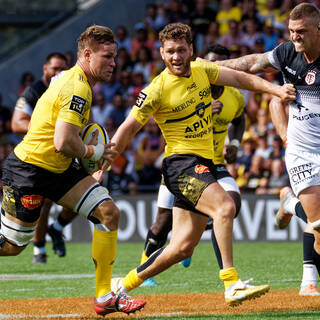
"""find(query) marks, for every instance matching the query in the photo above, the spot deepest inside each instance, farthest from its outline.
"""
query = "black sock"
(146, 264)
(63, 222)
(216, 249)
(300, 212)
(39, 244)
(153, 243)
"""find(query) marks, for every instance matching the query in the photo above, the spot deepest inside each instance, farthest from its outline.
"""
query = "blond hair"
(93, 36)
(176, 31)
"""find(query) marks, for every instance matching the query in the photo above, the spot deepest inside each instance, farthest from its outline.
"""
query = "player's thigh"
(72, 197)
(187, 228)
(215, 201)
(309, 199)
(187, 176)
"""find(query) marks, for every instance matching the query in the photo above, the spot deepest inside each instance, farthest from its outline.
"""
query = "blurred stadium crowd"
(247, 26)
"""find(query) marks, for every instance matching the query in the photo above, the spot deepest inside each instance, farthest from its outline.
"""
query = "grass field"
(278, 264)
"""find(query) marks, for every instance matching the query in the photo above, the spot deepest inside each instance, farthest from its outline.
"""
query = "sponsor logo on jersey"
(300, 107)
(205, 93)
(184, 105)
(141, 98)
(310, 78)
(200, 110)
(200, 168)
(77, 104)
(290, 70)
(32, 201)
(203, 123)
(192, 87)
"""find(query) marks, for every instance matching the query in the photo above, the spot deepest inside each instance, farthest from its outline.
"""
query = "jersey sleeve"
(148, 101)
(74, 106)
(23, 105)
(27, 101)
(280, 54)
(211, 69)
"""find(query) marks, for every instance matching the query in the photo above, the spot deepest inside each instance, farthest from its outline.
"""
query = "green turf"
(279, 264)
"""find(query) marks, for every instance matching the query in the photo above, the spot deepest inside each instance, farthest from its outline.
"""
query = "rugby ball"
(86, 134)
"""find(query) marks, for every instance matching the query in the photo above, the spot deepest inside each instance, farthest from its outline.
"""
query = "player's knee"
(185, 251)
(227, 211)
(15, 236)
(109, 215)
(97, 206)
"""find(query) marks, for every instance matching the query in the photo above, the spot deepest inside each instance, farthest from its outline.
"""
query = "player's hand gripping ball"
(87, 134)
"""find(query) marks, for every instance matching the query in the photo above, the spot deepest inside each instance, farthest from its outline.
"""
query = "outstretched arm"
(124, 134)
(252, 63)
(242, 80)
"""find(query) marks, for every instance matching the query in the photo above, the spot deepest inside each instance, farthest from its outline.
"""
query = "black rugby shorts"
(26, 185)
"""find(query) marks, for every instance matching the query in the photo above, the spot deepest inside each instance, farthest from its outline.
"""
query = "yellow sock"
(229, 276)
(104, 246)
(144, 258)
(131, 280)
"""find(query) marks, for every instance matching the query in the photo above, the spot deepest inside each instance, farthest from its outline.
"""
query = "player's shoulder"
(285, 49)
(155, 87)
(74, 80)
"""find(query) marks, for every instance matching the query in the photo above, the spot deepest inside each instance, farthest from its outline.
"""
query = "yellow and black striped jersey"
(181, 106)
(67, 99)
(233, 105)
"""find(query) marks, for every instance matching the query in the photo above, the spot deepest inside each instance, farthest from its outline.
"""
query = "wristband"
(94, 152)
(235, 143)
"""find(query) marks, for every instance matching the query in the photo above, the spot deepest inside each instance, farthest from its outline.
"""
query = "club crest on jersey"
(310, 78)
(141, 98)
(77, 104)
(31, 202)
(200, 168)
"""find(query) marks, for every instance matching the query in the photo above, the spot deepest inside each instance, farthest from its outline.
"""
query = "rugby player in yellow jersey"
(227, 107)
(180, 101)
(54, 64)
(42, 166)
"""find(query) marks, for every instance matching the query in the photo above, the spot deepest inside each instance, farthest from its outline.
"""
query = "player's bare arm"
(279, 116)
(253, 63)
(20, 121)
(127, 130)
(242, 80)
(67, 140)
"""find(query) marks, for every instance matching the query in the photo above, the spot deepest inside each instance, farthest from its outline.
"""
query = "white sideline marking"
(43, 276)
(53, 316)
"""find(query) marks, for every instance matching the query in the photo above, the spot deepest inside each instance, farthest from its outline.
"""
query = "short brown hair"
(305, 10)
(175, 31)
(93, 36)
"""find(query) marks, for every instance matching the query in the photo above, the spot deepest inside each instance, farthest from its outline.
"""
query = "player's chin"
(299, 47)
(106, 77)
